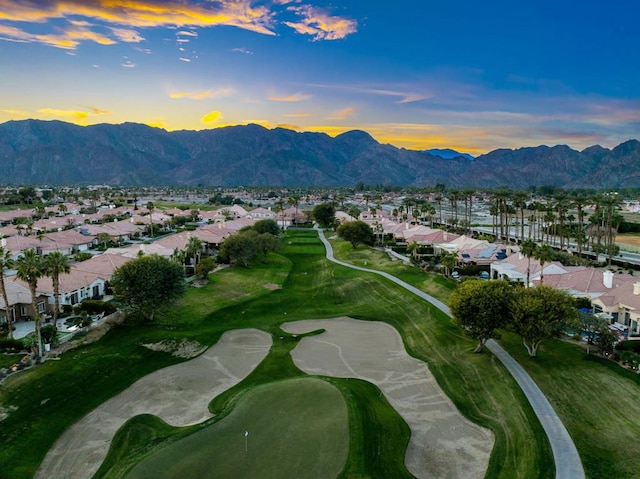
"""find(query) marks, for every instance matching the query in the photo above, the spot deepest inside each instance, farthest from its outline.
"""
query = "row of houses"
(615, 296)
(89, 279)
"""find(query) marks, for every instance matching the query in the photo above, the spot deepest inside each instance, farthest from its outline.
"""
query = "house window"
(41, 307)
(24, 311)
(74, 298)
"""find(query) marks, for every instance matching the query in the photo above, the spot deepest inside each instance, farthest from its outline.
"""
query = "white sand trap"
(178, 394)
(443, 443)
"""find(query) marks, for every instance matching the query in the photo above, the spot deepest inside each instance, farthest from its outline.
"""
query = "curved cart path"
(565, 454)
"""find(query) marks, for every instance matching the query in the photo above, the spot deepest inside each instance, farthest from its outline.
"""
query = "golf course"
(303, 368)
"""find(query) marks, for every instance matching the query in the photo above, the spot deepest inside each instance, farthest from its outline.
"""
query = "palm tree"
(56, 264)
(31, 268)
(6, 262)
(448, 260)
(151, 207)
(528, 248)
(193, 250)
(544, 254)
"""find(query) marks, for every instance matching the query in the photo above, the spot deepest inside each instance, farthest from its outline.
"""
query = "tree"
(267, 226)
(56, 264)
(481, 307)
(528, 249)
(544, 254)
(205, 266)
(355, 232)
(324, 214)
(239, 248)
(448, 260)
(104, 238)
(592, 326)
(148, 283)
(193, 250)
(6, 262)
(151, 207)
(267, 243)
(30, 268)
(541, 313)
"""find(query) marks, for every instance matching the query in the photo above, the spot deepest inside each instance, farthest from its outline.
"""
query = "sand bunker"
(179, 394)
(443, 443)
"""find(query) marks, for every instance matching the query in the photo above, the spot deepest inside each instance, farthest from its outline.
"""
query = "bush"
(627, 345)
(11, 345)
(96, 306)
(82, 256)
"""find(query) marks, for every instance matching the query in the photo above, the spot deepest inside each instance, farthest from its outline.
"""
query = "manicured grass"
(7, 360)
(296, 428)
(596, 399)
(589, 393)
(53, 396)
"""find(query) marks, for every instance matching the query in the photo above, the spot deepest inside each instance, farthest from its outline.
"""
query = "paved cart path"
(565, 454)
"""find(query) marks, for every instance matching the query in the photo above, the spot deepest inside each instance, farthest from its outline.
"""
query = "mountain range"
(448, 153)
(55, 152)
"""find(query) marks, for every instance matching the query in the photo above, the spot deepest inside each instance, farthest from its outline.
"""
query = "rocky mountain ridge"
(55, 152)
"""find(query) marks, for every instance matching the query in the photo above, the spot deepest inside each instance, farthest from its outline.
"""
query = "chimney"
(636, 289)
(607, 279)
(520, 255)
(445, 236)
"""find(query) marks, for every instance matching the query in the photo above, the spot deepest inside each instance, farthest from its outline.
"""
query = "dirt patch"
(443, 443)
(272, 286)
(631, 240)
(179, 395)
(180, 349)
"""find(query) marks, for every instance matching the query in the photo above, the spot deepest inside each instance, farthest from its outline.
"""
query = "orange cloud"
(211, 118)
(319, 24)
(73, 115)
(146, 13)
(290, 98)
(297, 115)
(288, 126)
(201, 95)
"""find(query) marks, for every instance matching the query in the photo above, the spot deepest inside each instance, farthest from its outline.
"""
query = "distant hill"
(55, 152)
(448, 153)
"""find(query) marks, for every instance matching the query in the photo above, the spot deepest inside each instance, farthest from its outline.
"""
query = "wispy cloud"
(201, 95)
(297, 115)
(296, 97)
(16, 113)
(318, 23)
(342, 115)
(242, 50)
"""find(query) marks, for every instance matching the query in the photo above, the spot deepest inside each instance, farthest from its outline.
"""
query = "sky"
(465, 74)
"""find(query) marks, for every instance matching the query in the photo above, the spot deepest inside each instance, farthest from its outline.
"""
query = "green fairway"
(589, 393)
(296, 428)
(297, 284)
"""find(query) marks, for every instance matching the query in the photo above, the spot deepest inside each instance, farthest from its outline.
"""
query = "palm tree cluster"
(30, 267)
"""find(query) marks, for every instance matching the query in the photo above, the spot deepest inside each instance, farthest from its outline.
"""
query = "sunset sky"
(466, 74)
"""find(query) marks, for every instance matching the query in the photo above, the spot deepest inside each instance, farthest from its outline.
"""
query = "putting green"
(297, 428)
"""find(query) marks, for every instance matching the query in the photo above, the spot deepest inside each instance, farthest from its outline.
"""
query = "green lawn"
(297, 428)
(53, 396)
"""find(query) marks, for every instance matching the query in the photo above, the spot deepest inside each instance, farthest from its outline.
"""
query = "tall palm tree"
(544, 254)
(31, 268)
(193, 250)
(528, 249)
(151, 207)
(6, 262)
(56, 264)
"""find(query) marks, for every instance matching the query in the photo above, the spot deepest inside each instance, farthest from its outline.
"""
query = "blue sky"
(469, 75)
